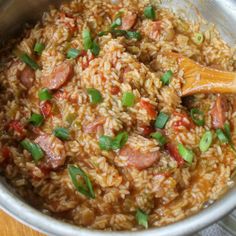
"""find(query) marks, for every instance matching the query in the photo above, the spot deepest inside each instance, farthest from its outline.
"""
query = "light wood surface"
(10, 227)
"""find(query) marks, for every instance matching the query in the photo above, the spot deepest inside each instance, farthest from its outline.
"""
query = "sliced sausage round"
(93, 126)
(26, 77)
(218, 112)
(138, 159)
(59, 76)
(54, 149)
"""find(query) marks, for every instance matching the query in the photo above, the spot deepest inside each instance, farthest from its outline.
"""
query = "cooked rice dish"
(94, 128)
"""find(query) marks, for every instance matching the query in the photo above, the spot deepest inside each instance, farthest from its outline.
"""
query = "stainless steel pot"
(13, 13)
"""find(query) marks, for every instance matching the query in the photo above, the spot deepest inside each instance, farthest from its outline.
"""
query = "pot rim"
(28, 215)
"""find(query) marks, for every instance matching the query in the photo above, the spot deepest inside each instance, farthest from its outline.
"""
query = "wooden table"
(11, 227)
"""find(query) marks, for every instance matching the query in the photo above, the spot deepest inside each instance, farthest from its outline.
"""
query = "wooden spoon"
(201, 79)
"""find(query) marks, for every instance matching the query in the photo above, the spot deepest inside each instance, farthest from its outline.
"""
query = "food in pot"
(94, 128)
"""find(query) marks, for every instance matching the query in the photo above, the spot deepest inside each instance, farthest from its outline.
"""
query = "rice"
(141, 174)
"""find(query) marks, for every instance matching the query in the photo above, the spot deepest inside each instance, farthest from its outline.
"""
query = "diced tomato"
(172, 149)
(17, 126)
(149, 108)
(6, 152)
(147, 130)
(183, 121)
(114, 90)
(46, 108)
(104, 79)
(83, 53)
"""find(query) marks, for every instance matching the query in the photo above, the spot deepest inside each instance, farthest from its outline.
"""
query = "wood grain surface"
(10, 227)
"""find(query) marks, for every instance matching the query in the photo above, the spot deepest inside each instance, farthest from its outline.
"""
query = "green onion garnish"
(165, 79)
(149, 12)
(44, 94)
(33, 149)
(127, 34)
(197, 116)
(117, 22)
(108, 143)
(133, 35)
(36, 119)
(128, 99)
(87, 39)
(89, 43)
(142, 218)
(61, 133)
(39, 47)
(29, 61)
(185, 153)
(102, 33)
(206, 141)
(117, 33)
(85, 188)
(94, 96)
(72, 53)
(95, 49)
(227, 130)
(159, 137)
(221, 136)
(119, 141)
(161, 120)
(105, 142)
(198, 38)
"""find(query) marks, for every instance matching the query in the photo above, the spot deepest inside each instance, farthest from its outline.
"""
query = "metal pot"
(14, 13)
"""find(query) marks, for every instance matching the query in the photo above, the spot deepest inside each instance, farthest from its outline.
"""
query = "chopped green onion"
(133, 35)
(102, 33)
(206, 141)
(227, 130)
(87, 39)
(72, 53)
(128, 99)
(117, 22)
(105, 142)
(185, 153)
(94, 96)
(61, 133)
(120, 140)
(118, 33)
(166, 77)
(39, 47)
(108, 143)
(95, 49)
(198, 38)
(161, 120)
(149, 12)
(142, 218)
(86, 188)
(227, 133)
(221, 136)
(44, 94)
(159, 137)
(33, 149)
(29, 61)
(197, 116)
(36, 119)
